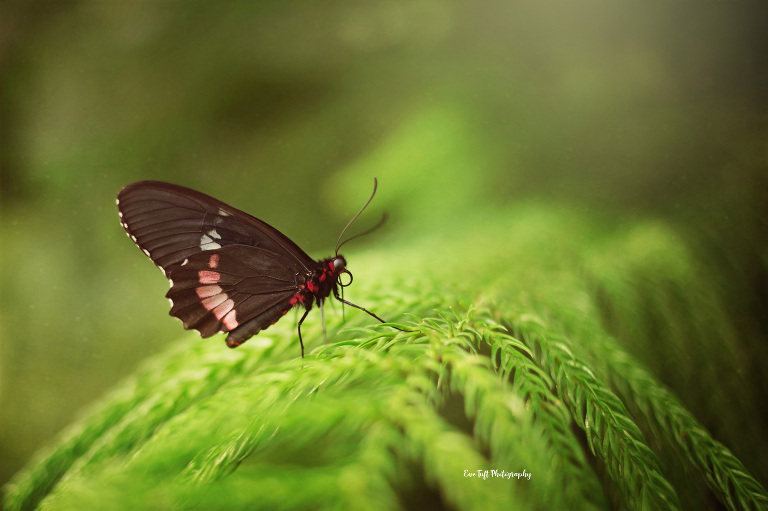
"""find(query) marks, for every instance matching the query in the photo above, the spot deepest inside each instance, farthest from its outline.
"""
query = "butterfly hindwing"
(235, 287)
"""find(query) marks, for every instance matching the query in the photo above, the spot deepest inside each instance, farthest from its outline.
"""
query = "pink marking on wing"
(213, 262)
(206, 291)
(230, 320)
(224, 308)
(208, 277)
(213, 302)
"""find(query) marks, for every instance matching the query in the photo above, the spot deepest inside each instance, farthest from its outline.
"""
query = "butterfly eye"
(339, 263)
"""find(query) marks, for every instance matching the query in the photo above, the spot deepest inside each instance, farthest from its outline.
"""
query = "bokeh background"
(287, 109)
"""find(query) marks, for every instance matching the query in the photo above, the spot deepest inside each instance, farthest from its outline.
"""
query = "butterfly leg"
(322, 318)
(342, 300)
(300, 341)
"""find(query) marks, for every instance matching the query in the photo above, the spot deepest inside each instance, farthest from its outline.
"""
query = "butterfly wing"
(229, 271)
(170, 223)
(237, 289)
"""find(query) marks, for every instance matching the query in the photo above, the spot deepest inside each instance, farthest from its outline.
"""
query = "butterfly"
(228, 271)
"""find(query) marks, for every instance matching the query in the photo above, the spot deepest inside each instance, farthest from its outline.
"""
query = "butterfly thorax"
(320, 283)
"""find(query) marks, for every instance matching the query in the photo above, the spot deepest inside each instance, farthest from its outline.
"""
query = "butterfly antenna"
(338, 242)
(383, 220)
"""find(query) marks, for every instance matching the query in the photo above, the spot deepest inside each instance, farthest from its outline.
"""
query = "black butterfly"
(229, 271)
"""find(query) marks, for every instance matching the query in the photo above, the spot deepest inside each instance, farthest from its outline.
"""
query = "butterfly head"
(338, 266)
(339, 263)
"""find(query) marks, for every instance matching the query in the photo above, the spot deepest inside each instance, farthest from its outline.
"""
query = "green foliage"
(507, 367)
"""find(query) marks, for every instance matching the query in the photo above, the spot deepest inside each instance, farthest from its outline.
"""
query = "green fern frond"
(611, 433)
(506, 392)
(724, 473)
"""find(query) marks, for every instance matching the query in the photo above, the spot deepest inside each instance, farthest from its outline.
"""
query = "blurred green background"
(288, 109)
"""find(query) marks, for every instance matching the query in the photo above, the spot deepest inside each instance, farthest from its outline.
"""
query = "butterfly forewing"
(170, 223)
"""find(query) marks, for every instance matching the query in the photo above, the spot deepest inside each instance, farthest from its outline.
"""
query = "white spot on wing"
(223, 213)
(206, 243)
(170, 281)
(117, 201)
(133, 238)
(185, 262)
(213, 234)
(146, 252)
